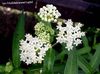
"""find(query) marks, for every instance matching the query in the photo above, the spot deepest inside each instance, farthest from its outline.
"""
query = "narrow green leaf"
(94, 41)
(18, 35)
(85, 41)
(84, 65)
(59, 68)
(61, 55)
(95, 60)
(49, 62)
(71, 64)
(34, 71)
(84, 50)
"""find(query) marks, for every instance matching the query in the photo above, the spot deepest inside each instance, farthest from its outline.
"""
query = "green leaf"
(94, 41)
(17, 71)
(71, 64)
(98, 73)
(36, 16)
(64, 51)
(61, 55)
(2, 68)
(34, 71)
(49, 62)
(59, 68)
(18, 35)
(81, 72)
(84, 65)
(95, 60)
(50, 31)
(85, 41)
(84, 50)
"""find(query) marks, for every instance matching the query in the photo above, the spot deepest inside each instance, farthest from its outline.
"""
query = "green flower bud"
(8, 67)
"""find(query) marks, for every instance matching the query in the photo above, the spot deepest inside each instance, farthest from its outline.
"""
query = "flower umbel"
(33, 49)
(70, 34)
(49, 13)
(44, 31)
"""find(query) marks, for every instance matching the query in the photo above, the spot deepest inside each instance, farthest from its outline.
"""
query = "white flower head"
(70, 34)
(49, 13)
(33, 49)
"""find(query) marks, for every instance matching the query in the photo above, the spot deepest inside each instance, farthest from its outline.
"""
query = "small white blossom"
(70, 34)
(59, 23)
(49, 13)
(40, 71)
(33, 49)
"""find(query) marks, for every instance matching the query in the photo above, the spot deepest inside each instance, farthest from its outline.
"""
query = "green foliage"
(95, 60)
(17, 71)
(84, 50)
(71, 64)
(8, 67)
(61, 55)
(2, 68)
(59, 68)
(33, 71)
(85, 41)
(49, 62)
(18, 35)
(84, 65)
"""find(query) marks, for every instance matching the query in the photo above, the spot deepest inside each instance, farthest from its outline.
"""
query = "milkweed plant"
(58, 46)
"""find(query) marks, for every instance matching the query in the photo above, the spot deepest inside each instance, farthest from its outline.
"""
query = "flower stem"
(54, 44)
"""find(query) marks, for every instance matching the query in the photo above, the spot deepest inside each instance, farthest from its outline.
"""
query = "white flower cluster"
(33, 49)
(70, 34)
(49, 13)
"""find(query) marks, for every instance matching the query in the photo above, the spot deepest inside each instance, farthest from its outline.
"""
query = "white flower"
(70, 34)
(49, 13)
(40, 71)
(33, 49)
(59, 23)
